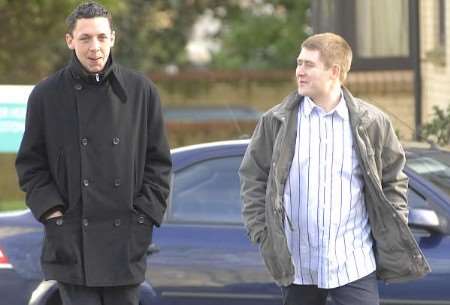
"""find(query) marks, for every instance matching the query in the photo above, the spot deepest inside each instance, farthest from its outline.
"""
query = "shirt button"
(117, 222)
(116, 140)
(85, 182)
(84, 141)
(85, 222)
(117, 182)
(78, 87)
(140, 219)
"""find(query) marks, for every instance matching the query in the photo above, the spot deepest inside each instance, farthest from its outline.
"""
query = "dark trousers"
(363, 291)
(82, 295)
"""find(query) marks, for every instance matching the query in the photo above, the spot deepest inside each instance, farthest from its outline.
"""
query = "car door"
(204, 255)
(434, 288)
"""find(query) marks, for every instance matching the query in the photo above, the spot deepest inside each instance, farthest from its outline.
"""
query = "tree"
(263, 34)
(152, 34)
(32, 41)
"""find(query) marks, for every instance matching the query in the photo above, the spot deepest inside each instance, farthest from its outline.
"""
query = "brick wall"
(435, 69)
(392, 91)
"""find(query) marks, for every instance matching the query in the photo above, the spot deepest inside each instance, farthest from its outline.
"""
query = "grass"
(12, 205)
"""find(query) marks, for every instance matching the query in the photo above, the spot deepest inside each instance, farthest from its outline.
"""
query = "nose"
(300, 70)
(95, 44)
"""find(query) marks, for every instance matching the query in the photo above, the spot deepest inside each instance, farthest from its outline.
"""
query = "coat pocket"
(141, 237)
(269, 255)
(60, 243)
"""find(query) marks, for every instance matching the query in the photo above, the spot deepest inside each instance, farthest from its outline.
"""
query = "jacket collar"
(341, 109)
(358, 115)
(111, 73)
(293, 100)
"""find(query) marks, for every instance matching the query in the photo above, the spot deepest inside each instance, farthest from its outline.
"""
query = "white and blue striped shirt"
(330, 240)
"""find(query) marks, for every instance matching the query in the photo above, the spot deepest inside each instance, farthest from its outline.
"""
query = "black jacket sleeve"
(152, 199)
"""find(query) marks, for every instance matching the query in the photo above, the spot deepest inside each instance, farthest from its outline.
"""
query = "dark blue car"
(201, 255)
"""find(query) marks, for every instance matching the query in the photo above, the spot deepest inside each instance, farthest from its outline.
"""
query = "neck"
(329, 101)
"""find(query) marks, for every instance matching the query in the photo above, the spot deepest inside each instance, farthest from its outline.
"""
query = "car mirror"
(424, 219)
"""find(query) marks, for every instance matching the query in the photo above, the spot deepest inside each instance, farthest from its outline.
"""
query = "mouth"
(94, 59)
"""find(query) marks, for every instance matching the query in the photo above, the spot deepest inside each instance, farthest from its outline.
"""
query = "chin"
(302, 92)
(95, 70)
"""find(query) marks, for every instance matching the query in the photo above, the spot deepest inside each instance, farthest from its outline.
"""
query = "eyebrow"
(304, 61)
(90, 35)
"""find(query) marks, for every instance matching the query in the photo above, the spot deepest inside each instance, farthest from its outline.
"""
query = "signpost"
(13, 107)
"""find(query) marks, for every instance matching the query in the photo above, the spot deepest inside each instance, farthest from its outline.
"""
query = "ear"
(335, 71)
(113, 38)
(69, 41)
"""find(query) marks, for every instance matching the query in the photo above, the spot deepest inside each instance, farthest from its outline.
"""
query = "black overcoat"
(96, 148)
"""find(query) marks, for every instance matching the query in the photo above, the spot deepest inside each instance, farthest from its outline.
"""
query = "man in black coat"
(95, 165)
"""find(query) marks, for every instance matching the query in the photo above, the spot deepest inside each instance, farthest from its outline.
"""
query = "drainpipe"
(415, 54)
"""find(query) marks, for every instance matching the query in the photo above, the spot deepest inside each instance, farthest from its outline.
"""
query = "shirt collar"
(341, 108)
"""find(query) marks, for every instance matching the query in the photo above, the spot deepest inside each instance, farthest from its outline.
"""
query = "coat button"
(117, 182)
(78, 87)
(85, 182)
(84, 141)
(85, 222)
(117, 222)
(59, 221)
(141, 219)
(115, 140)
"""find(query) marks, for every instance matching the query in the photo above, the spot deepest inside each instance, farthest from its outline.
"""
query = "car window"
(207, 191)
(416, 201)
(433, 170)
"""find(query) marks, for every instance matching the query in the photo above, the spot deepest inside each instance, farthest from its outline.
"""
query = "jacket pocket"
(141, 237)
(269, 256)
(392, 257)
(60, 243)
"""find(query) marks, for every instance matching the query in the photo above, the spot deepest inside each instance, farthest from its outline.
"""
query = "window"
(207, 192)
(382, 28)
(381, 32)
(416, 201)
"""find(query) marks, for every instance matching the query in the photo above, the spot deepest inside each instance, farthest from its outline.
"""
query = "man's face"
(92, 40)
(313, 78)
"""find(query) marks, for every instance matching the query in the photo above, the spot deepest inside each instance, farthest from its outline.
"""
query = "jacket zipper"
(97, 77)
(279, 204)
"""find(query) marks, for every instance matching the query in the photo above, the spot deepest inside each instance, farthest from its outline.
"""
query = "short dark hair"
(89, 9)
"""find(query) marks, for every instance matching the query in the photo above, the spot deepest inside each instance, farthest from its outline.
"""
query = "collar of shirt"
(341, 108)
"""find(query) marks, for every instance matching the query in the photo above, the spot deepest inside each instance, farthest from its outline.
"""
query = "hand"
(54, 214)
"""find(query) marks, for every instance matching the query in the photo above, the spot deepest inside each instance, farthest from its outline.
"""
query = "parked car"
(201, 254)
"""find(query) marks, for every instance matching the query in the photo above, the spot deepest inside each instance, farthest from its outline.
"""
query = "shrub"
(438, 130)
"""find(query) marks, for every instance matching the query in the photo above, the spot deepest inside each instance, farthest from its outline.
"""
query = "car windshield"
(434, 167)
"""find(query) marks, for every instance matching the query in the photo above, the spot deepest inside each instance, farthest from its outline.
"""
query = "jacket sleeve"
(254, 174)
(152, 198)
(394, 180)
(32, 165)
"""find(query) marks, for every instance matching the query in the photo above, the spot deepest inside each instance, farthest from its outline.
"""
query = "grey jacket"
(265, 168)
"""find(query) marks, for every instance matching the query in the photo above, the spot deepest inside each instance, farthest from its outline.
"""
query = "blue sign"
(13, 108)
